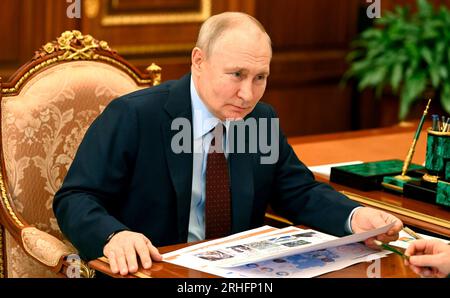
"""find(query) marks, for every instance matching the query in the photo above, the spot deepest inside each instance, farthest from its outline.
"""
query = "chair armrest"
(45, 248)
(54, 253)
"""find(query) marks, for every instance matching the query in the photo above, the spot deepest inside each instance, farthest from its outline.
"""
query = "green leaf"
(444, 15)
(430, 29)
(445, 98)
(412, 50)
(372, 33)
(427, 55)
(434, 74)
(448, 55)
(443, 72)
(360, 66)
(396, 77)
(401, 11)
(379, 90)
(373, 78)
(403, 108)
(364, 82)
(429, 33)
(411, 90)
(375, 51)
(358, 43)
(354, 55)
(439, 52)
(412, 68)
(425, 9)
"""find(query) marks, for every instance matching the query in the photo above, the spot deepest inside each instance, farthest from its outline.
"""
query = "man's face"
(233, 78)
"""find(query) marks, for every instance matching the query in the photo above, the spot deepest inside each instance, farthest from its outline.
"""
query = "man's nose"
(245, 91)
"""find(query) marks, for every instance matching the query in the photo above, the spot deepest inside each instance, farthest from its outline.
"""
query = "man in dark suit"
(130, 182)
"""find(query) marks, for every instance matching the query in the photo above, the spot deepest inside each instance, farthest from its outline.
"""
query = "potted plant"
(406, 52)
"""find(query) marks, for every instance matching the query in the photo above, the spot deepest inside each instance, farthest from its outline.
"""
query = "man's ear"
(197, 58)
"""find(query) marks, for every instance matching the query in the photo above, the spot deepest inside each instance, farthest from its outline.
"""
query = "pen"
(408, 159)
(412, 233)
(446, 125)
(435, 119)
(390, 248)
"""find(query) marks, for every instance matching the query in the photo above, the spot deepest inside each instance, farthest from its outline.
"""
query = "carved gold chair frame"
(70, 47)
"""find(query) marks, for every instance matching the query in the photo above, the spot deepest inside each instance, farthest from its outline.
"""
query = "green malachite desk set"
(430, 183)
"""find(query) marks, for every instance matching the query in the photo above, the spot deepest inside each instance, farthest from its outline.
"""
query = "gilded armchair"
(46, 108)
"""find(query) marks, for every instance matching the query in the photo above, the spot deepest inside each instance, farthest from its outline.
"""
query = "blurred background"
(311, 40)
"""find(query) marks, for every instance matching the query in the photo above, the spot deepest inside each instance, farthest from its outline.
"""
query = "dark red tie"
(218, 198)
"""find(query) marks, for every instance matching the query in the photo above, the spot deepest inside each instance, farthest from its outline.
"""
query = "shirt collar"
(204, 121)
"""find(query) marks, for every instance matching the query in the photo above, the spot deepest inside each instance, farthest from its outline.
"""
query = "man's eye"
(236, 74)
(261, 77)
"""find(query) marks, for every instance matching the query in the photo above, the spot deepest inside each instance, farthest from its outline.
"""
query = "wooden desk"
(368, 145)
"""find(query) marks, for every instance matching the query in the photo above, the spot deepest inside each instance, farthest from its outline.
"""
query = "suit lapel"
(180, 165)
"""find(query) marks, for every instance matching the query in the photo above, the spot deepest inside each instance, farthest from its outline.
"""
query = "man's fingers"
(154, 253)
(131, 259)
(398, 226)
(112, 262)
(388, 219)
(122, 263)
(144, 253)
(383, 219)
(387, 238)
(370, 243)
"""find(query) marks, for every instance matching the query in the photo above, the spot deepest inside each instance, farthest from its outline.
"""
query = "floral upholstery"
(41, 130)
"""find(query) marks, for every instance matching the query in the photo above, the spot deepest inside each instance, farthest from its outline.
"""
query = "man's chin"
(235, 116)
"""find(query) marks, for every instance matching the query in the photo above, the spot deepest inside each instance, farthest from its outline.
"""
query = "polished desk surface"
(365, 145)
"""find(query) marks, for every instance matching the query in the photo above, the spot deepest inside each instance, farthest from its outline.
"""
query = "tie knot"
(217, 139)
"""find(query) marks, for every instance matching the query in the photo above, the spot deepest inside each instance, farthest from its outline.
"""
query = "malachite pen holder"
(437, 160)
(443, 193)
(447, 172)
(435, 184)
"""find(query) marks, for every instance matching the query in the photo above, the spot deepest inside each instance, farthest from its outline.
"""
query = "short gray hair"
(216, 25)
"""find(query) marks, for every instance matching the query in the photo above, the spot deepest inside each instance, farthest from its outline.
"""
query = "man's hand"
(366, 218)
(121, 252)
